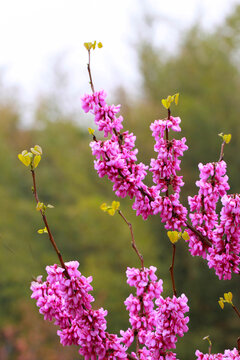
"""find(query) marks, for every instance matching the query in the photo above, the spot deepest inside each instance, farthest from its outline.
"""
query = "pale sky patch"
(34, 32)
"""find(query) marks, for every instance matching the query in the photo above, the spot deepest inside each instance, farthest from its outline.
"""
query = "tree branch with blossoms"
(206, 237)
(156, 323)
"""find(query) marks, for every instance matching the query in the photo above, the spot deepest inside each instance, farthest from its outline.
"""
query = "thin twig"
(204, 239)
(171, 269)
(130, 357)
(169, 113)
(133, 240)
(238, 344)
(221, 152)
(89, 72)
(142, 267)
(47, 227)
(236, 310)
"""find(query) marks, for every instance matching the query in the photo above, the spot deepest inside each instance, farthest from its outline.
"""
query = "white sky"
(34, 32)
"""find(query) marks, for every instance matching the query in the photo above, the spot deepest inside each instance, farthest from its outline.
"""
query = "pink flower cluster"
(166, 165)
(224, 256)
(164, 170)
(224, 253)
(228, 355)
(105, 116)
(156, 322)
(68, 302)
(213, 184)
(116, 158)
(156, 327)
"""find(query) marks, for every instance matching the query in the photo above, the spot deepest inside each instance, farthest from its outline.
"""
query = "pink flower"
(228, 355)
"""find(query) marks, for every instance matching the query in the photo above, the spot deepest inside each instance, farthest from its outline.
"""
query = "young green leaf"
(111, 211)
(165, 104)
(25, 158)
(174, 236)
(36, 160)
(185, 236)
(176, 98)
(227, 138)
(88, 45)
(104, 207)
(221, 303)
(37, 150)
(115, 205)
(42, 231)
(91, 131)
(39, 206)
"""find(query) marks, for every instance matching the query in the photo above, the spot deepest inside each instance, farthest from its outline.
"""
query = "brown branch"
(171, 269)
(137, 345)
(203, 238)
(169, 113)
(130, 357)
(238, 344)
(144, 193)
(133, 240)
(236, 310)
(89, 72)
(210, 349)
(47, 227)
(221, 152)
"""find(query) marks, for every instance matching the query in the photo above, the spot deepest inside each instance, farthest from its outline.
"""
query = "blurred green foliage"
(205, 70)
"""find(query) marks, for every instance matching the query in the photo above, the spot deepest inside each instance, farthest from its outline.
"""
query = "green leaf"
(173, 236)
(104, 207)
(37, 150)
(228, 297)
(165, 104)
(39, 206)
(176, 98)
(115, 205)
(185, 236)
(221, 304)
(36, 160)
(42, 231)
(88, 45)
(25, 159)
(91, 131)
(100, 45)
(227, 138)
(111, 211)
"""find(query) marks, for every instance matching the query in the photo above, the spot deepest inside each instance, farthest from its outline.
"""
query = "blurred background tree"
(205, 70)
